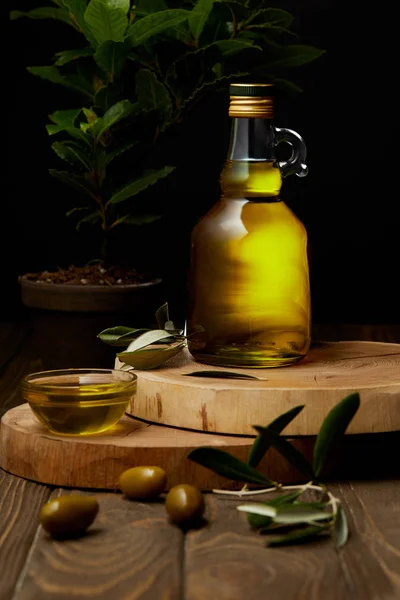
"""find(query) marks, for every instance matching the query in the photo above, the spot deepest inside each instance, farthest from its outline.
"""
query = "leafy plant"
(136, 74)
(298, 520)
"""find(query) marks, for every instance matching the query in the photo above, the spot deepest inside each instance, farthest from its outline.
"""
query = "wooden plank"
(228, 561)
(20, 503)
(130, 552)
(371, 559)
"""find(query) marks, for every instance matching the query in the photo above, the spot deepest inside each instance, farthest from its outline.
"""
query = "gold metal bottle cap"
(251, 100)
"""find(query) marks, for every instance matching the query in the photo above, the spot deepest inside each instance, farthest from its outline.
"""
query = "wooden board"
(29, 450)
(329, 372)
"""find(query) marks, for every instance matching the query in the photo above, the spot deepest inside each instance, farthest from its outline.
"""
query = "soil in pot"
(69, 308)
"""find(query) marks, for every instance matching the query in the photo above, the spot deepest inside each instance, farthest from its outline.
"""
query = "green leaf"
(111, 57)
(272, 16)
(144, 29)
(150, 337)
(150, 358)
(75, 210)
(67, 56)
(152, 94)
(221, 375)
(299, 513)
(298, 536)
(65, 118)
(162, 315)
(91, 219)
(77, 9)
(198, 17)
(259, 521)
(120, 335)
(261, 444)
(228, 466)
(293, 456)
(286, 513)
(120, 150)
(170, 326)
(78, 183)
(230, 47)
(208, 85)
(53, 74)
(44, 12)
(71, 153)
(341, 528)
(107, 19)
(138, 219)
(294, 55)
(118, 111)
(137, 186)
(333, 428)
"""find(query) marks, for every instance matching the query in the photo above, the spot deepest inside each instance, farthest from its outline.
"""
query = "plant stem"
(243, 492)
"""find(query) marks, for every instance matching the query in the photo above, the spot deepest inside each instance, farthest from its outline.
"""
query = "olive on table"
(143, 483)
(184, 503)
(68, 515)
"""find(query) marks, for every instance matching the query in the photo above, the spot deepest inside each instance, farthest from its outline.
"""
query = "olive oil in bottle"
(249, 294)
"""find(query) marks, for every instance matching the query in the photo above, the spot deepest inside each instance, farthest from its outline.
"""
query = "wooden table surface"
(133, 552)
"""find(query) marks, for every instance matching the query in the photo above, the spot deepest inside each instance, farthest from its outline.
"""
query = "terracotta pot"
(67, 318)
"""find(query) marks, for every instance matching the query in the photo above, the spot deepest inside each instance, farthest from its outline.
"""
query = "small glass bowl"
(79, 401)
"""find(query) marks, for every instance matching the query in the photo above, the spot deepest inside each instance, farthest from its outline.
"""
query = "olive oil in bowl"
(79, 401)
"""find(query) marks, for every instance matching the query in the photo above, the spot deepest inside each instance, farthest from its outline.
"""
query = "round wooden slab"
(29, 450)
(331, 371)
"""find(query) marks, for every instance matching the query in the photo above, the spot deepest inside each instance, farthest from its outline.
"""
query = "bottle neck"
(251, 139)
(251, 170)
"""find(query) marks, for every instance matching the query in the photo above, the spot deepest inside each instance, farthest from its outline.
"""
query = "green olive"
(68, 514)
(143, 483)
(184, 503)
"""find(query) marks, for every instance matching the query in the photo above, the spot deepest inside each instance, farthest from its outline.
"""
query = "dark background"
(348, 116)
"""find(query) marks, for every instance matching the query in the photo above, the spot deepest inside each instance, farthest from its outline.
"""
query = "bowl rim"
(33, 381)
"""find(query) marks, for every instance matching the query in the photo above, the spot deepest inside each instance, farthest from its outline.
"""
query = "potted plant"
(137, 72)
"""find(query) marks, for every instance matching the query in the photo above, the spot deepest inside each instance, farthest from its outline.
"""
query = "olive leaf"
(259, 521)
(261, 443)
(120, 335)
(333, 428)
(221, 375)
(341, 528)
(298, 536)
(149, 358)
(150, 337)
(225, 464)
(162, 315)
(170, 326)
(292, 455)
(287, 514)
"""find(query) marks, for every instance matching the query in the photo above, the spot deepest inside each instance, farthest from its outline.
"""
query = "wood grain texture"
(131, 552)
(229, 561)
(27, 449)
(371, 559)
(20, 503)
(323, 378)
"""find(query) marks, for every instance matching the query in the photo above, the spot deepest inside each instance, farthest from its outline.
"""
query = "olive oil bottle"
(249, 293)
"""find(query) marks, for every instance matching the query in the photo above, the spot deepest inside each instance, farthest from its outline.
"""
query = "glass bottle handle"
(296, 163)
